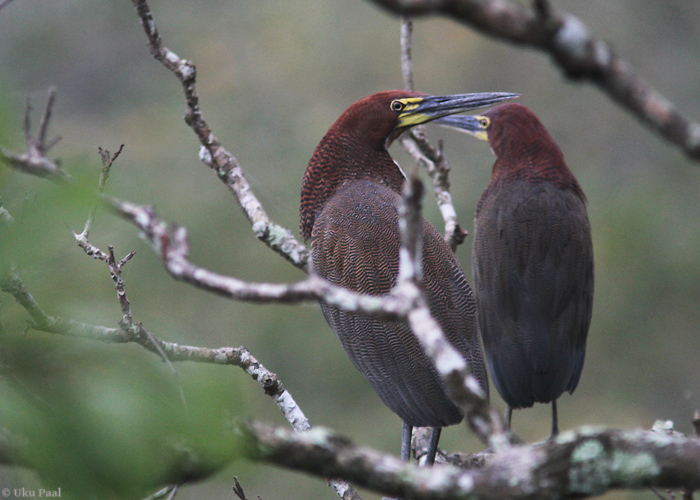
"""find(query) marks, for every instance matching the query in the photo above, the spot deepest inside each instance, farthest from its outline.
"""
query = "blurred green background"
(272, 76)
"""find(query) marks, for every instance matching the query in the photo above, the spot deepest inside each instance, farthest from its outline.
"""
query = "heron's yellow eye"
(484, 122)
(397, 106)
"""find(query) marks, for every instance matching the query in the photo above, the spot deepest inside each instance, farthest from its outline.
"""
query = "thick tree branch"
(581, 463)
(579, 55)
(214, 155)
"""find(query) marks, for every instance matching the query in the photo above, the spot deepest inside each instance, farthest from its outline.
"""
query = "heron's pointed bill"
(474, 125)
(419, 110)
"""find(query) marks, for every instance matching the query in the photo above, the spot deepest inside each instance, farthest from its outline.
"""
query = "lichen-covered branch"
(214, 155)
(578, 54)
(581, 463)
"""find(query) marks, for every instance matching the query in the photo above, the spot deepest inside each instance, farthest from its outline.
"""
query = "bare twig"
(406, 57)
(238, 489)
(173, 492)
(417, 145)
(214, 155)
(41, 145)
(168, 492)
(82, 239)
(425, 154)
(578, 54)
(240, 357)
(34, 161)
(115, 270)
(107, 161)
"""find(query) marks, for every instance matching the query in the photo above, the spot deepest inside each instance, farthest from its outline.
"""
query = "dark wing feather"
(533, 276)
(355, 244)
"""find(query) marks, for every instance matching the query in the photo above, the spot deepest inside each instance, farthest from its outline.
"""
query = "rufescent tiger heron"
(349, 210)
(532, 261)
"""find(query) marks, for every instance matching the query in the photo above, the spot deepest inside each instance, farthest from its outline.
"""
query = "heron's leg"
(406, 433)
(555, 421)
(432, 449)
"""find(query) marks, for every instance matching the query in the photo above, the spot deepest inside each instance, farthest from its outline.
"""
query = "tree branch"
(34, 161)
(463, 388)
(173, 352)
(406, 52)
(580, 56)
(173, 248)
(172, 245)
(405, 301)
(107, 161)
(417, 145)
(214, 155)
(138, 334)
(586, 462)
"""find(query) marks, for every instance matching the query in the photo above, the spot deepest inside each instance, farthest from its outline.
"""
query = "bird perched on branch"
(532, 261)
(349, 211)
